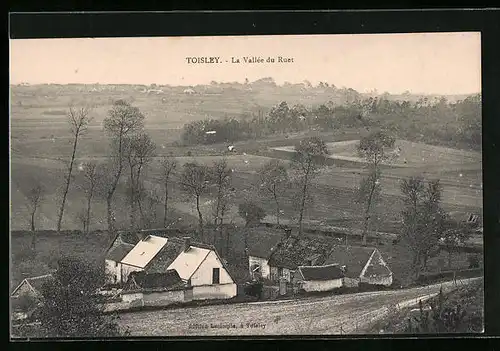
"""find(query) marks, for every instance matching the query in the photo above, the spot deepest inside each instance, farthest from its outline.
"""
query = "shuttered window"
(216, 276)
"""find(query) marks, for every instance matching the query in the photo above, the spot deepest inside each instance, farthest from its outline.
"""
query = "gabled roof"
(327, 272)
(118, 252)
(294, 252)
(262, 240)
(166, 256)
(35, 283)
(169, 280)
(144, 251)
(188, 261)
(354, 258)
(376, 266)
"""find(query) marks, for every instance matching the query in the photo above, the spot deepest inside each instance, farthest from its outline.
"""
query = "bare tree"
(273, 182)
(90, 175)
(373, 149)
(423, 219)
(139, 151)
(79, 120)
(123, 121)
(308, 160)
(35, 197)
(195, 180)
(221, 178)
(168, 167)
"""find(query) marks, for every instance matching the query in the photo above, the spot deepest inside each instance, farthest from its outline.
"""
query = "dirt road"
(313, 316)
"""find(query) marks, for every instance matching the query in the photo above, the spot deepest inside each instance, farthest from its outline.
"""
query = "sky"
(430, 63)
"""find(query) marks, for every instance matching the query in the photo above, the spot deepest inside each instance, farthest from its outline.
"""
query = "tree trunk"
(68, 181)
(304, 194)
(165, 204)
(111, 224)
(277, 205)
(33, 238)
(367, 213)
(449, 258)
(89, 202)
(200, 217)
(33, 220)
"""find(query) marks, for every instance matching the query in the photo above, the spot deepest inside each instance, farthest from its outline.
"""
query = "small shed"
(31, 286)
(320, 278)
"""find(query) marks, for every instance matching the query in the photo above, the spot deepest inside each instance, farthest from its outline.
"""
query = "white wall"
(350, 282)
(206, 292)
(319, 285)
(126, 270)
(163, 298)
(265, 270)
(203, 275)
(113, 271)
(132, 297)
(377, 280)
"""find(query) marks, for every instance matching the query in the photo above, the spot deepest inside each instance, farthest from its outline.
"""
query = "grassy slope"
(470, 297)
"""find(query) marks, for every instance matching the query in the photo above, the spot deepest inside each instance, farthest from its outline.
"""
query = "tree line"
(405, 118)
(132, 150)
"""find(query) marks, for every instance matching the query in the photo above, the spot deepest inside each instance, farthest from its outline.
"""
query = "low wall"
(207, 292)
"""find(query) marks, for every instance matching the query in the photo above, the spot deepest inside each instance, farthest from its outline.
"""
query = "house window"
(280, 272)
(216, 276)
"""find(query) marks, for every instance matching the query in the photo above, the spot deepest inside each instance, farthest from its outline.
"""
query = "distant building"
(320, 278)
(31, 286)
(189, 91)
(361, 265)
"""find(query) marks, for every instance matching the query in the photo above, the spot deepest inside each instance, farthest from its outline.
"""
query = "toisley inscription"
(236, 60)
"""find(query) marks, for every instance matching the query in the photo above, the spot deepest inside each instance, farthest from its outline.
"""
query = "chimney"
(288, 232)
(187, 243)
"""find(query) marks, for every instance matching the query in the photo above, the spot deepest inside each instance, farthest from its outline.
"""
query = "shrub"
(473, 261)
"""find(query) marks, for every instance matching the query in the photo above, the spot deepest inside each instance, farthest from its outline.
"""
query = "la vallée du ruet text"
(234, 59)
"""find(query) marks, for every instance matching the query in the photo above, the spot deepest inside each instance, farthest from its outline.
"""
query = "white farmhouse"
(200, 266)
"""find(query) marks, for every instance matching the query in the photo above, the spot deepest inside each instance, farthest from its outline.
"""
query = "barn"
(363, 265)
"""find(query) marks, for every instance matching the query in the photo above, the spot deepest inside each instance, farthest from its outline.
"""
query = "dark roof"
(166, 256)
(354, 258)
(294, 252)
(141, 280)
(327, 272)
(35, 282)
(262, 240)
(118, 252)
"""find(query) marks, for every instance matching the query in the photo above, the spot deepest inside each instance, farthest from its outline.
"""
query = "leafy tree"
(453, 237)
(423, 219)
(308, 159)
(373, 149)
(251, 213)
(79, 120)
(71, 307)
(168, 167)
(195, 181)
(123, 121)
(274, 181)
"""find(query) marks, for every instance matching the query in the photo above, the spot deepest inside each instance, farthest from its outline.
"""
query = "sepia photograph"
(263, 185)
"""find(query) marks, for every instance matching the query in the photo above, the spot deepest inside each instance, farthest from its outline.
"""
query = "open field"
(318, 316)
